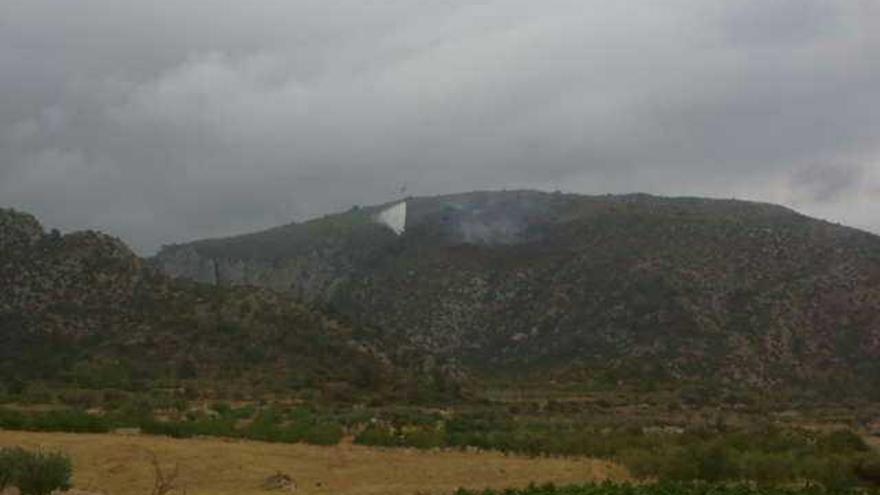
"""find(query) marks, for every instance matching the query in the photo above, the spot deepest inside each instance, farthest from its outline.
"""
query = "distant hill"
(82, 310)
(601, 290)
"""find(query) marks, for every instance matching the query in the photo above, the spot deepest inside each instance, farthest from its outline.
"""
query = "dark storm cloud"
(169, 120)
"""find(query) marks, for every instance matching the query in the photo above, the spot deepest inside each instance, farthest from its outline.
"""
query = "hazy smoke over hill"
(169, 120)
(501, 218)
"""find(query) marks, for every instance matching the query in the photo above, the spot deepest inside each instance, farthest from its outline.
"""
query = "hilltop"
(605, 291)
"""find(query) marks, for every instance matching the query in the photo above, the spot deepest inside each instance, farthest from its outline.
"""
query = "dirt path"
(118, 465)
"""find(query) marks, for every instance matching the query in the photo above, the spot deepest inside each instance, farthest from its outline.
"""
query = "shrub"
(266, 431)
(868, 469)
(10, 465)
(222, 408)
(767, 468)
(323, 434)
(171, 429)
(243, 412)
(834, 473)
(378, 436)
(12, 420)
(34, 473)
(425, 438)
(842, 442)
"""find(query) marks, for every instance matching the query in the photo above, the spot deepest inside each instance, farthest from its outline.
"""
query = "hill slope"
(83, 310)
(603, 290)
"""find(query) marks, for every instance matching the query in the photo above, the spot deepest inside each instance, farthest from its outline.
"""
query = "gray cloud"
(169, 120)
(824, 183)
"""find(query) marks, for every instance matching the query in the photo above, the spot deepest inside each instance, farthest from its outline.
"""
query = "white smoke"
(394, 217)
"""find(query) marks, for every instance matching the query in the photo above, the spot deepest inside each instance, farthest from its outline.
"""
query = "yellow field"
(118, 465)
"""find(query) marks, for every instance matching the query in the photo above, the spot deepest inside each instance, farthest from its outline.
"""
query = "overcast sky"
(167, 120)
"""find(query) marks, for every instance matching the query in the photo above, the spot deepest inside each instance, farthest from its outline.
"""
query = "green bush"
(841, 442)
(868, 469)
(265, 431)
(768, 468)
(323, 434)
(243, 412)
(10, 465)
(34, 473)
(222, 408)
(378, 436)
(425, 438)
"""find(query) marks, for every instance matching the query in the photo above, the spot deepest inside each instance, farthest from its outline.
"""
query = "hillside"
(599, 290)
(81, 310)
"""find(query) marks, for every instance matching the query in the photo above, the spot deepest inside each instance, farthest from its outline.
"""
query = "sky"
(171, 120)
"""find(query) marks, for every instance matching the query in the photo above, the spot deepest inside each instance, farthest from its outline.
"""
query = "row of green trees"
(264, 426)
(767, 455)
(763, 454)
(669, 489)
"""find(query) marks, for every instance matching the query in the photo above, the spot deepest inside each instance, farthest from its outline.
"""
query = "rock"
(280, 481)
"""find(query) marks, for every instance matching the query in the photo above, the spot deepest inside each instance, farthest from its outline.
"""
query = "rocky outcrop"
(308, 276)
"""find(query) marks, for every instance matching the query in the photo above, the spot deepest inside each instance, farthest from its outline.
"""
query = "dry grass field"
(119, 465)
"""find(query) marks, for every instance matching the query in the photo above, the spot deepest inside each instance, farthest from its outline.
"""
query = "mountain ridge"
(631, 288)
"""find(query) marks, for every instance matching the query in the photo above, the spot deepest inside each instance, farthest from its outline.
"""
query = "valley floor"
(120, 464)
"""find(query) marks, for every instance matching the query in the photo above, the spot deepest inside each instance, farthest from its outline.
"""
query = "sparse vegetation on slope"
(612, 291)
(82, 311)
